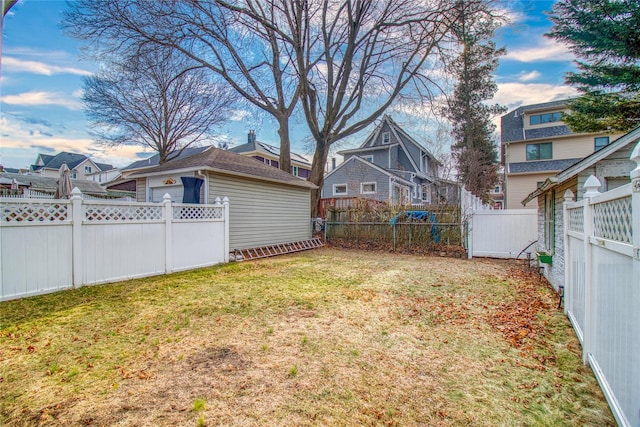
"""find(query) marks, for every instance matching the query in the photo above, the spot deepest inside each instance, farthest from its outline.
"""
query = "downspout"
(205, 178)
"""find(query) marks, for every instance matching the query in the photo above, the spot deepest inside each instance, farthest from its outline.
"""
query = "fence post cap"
(568, 196)
(225, 200)
(635, 156)
(166, 198)
(75, 193)
(591, 185)
(217, 201)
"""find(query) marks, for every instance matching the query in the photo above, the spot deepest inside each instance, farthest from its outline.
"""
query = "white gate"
(502, 233)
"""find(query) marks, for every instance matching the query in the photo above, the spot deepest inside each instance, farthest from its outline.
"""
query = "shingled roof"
(512, 125)
(541, 165)
(45, 184)
(222, 161)
(155, 159)
(71, 159)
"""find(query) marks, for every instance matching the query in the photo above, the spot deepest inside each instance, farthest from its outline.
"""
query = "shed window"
(367, 187)
(339, 189)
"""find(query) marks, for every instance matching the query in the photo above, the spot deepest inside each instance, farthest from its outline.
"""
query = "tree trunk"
(285, 143)
(317, 174)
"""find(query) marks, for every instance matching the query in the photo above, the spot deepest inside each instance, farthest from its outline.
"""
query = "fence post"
(635, 210)
(76, 240)
(225, 203)
(168, 233)
(591, 186)
(568, 278)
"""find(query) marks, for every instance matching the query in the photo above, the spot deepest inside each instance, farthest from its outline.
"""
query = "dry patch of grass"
(325, 337)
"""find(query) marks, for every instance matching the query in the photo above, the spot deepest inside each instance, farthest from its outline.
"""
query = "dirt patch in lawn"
(325, 337)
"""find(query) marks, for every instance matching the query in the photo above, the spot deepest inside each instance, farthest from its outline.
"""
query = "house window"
(368, 187)
(368, 158)
(549, 221)
(600, 142)
(545, 118)
(541, 151)
(87, 169)
(73, 174)
(426, 193)
(339, 189)
(294, 170)
(497, 189)
(385, 137)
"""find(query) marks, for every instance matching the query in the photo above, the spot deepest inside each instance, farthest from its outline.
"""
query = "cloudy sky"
(41, 84)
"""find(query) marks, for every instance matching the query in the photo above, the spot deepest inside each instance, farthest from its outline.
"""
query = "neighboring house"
(104, 176)
(270, 155)
(81, 166)
(267, 205)
(611, 165)
(389, 166)
(50, 185)
(497, 192)
(536, 145)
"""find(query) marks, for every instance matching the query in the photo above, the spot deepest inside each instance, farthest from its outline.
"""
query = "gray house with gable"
(389, 166)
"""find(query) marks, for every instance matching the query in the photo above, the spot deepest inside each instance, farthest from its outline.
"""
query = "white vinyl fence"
(602, 288)
(501, 233)
(49, 245)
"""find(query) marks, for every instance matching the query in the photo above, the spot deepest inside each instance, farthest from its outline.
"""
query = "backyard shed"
(267, 206)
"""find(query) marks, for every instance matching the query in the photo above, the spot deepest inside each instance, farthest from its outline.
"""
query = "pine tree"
(474, 150)
(605, 36)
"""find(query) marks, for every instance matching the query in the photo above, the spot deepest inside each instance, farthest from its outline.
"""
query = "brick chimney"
(251, 137)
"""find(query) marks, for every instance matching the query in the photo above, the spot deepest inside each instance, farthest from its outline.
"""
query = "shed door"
(175, 191)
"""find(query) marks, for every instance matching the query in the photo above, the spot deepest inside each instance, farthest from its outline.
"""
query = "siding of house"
(617, 165)
(566, 147)
(262, 213)
(520, 186)
(353, 175)
(555, 272)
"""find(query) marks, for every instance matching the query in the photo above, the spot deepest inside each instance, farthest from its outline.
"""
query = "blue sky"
(41, 85)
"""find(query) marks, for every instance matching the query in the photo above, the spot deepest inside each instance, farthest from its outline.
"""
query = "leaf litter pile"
(325, 337)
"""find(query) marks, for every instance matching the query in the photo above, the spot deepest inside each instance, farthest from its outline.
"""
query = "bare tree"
(245, 49)
(156, 99)
(355, 58)
(345, 61)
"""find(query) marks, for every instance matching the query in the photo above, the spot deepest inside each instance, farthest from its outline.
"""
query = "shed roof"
(222, 161)
(155, 159)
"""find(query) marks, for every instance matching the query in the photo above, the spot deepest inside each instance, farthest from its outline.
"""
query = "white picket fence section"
(602, 288)
(49, 245)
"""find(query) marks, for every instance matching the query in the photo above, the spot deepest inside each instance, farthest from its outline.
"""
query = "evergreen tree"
(474, 150)
(605, 36)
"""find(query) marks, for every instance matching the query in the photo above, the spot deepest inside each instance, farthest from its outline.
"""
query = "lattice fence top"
(576, 219)
(612, 220)
(103, 212)
(21, 211)
(198, 212)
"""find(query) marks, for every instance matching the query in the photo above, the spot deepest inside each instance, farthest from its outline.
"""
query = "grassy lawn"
(325, 337)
